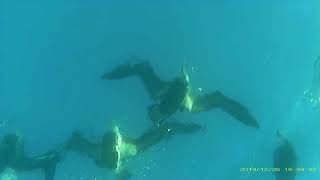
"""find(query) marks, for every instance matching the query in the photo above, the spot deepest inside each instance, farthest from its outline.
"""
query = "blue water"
(258, 52)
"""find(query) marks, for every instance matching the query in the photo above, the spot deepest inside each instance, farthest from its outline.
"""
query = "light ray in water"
(312, 95)
(247, 174)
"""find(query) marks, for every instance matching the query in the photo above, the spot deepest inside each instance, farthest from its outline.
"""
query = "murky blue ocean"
(261, 53)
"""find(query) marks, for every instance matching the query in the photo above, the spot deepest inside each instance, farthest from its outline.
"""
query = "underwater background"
(261, 53)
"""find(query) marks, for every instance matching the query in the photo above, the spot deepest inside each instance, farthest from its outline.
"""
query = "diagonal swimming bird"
(176, 95)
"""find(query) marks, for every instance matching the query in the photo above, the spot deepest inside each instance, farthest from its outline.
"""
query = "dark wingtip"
(250, 121)
(254, 123)
(104, 76)
(109, 76)
(257, 126)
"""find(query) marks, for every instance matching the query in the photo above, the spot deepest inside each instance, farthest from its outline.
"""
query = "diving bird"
(115, 147)
(13, 156)
(176, 95)
(284, 158)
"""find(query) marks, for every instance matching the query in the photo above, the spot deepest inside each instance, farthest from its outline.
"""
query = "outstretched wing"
(152, 83)
(218, 100)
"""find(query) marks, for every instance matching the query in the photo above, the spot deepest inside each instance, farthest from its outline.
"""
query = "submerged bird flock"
(169, 98)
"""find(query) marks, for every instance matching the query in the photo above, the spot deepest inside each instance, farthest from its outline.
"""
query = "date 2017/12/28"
(278, 169)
